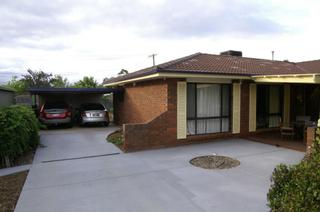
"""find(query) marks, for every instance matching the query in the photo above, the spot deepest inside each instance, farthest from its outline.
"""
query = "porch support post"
(253, 108)
(236, 109)
(286, 103)
(181, 110)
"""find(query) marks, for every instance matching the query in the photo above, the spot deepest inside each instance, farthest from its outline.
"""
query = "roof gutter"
(285, 75)
(288, 78)
(160, 75)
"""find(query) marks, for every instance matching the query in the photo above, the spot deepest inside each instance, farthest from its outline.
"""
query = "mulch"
(214, 162)
(24, 159)
(10, 189)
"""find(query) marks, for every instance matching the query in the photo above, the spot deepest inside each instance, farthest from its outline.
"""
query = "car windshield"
(55, 105)
(92, 106)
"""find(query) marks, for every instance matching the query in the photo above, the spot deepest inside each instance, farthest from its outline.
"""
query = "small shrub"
(297, 187)
(116, 138)
(19, 132)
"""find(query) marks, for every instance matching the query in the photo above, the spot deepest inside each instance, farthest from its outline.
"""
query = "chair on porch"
(286, 130)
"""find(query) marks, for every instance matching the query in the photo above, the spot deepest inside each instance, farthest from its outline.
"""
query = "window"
(269, 105)
(208, 108)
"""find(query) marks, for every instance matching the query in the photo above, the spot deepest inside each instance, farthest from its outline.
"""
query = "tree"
(37, 79)
(86, 82)
(17, 85)
(123, 72)
(59, 82)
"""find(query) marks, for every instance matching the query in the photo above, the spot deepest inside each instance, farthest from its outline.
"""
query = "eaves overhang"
(163, 75)
(288, 78)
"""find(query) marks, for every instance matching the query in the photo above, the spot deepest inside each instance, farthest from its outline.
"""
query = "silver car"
(93, 113)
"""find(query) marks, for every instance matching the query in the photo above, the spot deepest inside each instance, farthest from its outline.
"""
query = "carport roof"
(73, 90)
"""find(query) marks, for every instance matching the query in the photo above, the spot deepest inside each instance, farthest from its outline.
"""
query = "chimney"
(232, 53)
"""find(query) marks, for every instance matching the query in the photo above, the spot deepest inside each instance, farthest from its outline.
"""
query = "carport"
(73, 96)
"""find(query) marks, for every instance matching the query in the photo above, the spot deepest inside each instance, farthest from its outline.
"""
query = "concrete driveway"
(72, 143)
(155, 180)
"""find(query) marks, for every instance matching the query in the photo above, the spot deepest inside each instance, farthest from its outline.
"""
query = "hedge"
(297, 187)
(19, 129)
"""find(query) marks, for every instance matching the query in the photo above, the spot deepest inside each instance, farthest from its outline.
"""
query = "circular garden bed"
(214, 162)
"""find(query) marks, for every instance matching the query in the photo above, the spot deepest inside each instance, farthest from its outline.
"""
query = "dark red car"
(56, 113)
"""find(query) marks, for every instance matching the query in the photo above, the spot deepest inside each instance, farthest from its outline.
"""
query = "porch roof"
(293, 78)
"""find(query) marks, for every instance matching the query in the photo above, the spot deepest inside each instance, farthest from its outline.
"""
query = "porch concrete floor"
(155, 180)
(274, 138)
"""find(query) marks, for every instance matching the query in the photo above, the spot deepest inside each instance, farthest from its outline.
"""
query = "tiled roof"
(310, 66)
(227, 65)
(150, 70)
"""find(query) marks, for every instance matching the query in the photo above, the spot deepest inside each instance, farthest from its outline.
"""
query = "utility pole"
(272, 55)
(153, 59)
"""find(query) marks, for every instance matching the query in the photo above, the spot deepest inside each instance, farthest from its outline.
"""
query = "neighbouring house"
(205, 96)
(6, 96)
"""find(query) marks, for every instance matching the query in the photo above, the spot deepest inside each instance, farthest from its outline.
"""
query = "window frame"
(220, 117)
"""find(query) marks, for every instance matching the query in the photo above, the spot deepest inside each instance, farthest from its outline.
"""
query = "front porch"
(283, 112)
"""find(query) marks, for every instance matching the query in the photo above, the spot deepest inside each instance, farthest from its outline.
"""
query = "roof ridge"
(253, 58)
(176, 61)
(307, 61)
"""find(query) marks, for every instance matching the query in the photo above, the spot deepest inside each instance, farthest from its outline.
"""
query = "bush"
(297, 187)
(116, 138)
(19, 132)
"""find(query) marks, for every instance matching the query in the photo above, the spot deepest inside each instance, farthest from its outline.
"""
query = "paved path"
(155, 180)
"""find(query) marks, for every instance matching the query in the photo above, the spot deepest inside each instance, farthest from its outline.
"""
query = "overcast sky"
(98, 38)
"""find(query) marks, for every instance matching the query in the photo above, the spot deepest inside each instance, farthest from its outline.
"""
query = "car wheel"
(106, 124)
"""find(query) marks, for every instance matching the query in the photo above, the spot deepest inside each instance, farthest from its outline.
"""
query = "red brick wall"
(141, 102)
(311, 136)
(161, 131)
(244, 110)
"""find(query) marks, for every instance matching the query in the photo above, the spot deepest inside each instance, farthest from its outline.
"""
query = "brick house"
(204, 96)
